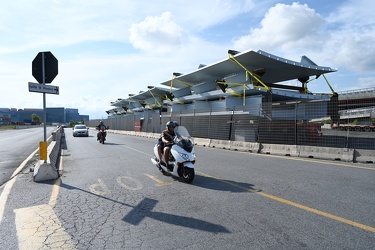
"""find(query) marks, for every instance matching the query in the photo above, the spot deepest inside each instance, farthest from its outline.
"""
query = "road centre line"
(294, 204)
(315, 211)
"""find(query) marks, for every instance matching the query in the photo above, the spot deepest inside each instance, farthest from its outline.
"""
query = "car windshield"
(80, 127)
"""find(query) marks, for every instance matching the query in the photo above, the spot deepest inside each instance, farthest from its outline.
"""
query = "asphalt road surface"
(111, 197)
(16, 145)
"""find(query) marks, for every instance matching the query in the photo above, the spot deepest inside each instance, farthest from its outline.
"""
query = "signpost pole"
(44, 75)
(44, 103)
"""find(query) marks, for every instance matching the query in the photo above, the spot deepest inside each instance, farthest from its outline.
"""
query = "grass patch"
(7, 127)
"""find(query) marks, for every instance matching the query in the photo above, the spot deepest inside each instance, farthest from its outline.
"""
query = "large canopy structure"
(250, 73)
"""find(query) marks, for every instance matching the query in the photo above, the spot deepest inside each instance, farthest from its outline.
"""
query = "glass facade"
(53, 115)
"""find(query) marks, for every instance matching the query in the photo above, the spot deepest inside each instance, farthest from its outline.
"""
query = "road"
(16, 145)
(111, 197)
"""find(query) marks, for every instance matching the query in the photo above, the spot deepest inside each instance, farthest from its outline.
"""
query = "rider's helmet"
(101, 123)
(171, 124)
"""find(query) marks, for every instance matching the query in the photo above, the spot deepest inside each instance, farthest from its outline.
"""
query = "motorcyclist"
(100, 127)
(165, 142)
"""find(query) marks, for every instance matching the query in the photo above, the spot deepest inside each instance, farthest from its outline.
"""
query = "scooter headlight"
(184, 156)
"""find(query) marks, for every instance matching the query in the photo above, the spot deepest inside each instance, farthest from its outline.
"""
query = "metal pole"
(44, 99)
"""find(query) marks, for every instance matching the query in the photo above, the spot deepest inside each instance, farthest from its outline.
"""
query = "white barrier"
(342, 154)
(364, 155)
(202, 142)
(219, 144)
(279, 149)
(252, 147)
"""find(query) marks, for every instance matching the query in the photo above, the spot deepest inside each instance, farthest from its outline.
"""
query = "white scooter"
(182, 156)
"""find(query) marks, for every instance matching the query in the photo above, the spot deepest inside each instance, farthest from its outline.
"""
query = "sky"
(110, 49)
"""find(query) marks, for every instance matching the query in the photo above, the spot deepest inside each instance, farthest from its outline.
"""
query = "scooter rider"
(100, 127)
(166, 141)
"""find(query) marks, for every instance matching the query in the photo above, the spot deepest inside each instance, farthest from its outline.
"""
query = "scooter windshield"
(183, 139)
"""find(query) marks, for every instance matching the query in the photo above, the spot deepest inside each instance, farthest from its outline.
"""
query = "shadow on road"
(223, 185)
(144, 209)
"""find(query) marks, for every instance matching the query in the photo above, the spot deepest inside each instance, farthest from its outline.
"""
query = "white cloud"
(285, 27)
(345, 39)
(156, 34)
(353, 36)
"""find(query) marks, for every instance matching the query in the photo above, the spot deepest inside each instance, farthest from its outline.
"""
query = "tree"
(72, 123)
(36, 119)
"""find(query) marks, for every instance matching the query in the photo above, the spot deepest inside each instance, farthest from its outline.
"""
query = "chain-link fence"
(339, 122)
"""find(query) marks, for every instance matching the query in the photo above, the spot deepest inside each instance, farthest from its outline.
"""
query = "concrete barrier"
(202, 142)
(279, 149)
(253, 147)
(48, 170)
(327, 153)
(364, 155)
(219, 144)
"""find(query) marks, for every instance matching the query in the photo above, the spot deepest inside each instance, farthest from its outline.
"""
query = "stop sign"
(50, 67)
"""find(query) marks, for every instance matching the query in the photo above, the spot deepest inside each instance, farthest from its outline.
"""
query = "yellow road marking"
(306, 208)
(315, 211)
(158, 182)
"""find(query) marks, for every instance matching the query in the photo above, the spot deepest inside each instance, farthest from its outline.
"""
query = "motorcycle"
(181, 156)
(102, 133)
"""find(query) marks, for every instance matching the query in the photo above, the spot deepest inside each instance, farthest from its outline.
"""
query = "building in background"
(5, 116)
(53, 115)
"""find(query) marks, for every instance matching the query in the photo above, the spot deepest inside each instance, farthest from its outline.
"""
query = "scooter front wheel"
(188, 174)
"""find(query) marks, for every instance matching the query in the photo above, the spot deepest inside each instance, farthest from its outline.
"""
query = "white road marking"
(8, 186)
(138, 185)
(99, 188)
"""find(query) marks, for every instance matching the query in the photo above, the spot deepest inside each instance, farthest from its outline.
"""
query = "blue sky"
(109, 49)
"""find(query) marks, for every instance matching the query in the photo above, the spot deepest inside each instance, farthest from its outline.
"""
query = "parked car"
(80, 130)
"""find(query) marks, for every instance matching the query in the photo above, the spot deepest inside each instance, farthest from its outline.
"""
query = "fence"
(312, 123)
